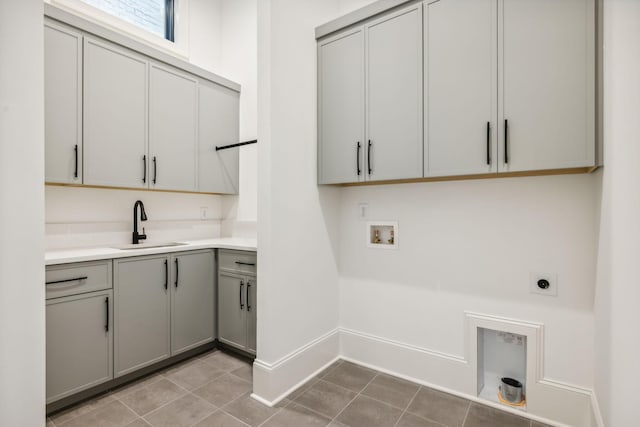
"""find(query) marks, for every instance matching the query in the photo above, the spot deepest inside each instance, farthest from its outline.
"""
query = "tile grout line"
(159, 375)
(407, 411)
(355, 397)
(159, 407)
(464, 421)
(179, 397)
(408, 404)
(209, 414)
(276, 413)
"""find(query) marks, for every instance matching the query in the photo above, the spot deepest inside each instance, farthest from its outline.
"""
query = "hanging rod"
(224, 147)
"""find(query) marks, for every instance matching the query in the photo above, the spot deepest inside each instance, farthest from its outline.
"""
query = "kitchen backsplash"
(85, 217)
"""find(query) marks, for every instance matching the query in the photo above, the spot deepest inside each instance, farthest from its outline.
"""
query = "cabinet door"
(115, 116)
(231, 309)
(79, 343)
(548, 86)
(341, 108)
(218, 125)
(252, 298)
(142, 312)
(63, 104)
(461, 87)
(394, 96)
(192, 300)
(172, 130)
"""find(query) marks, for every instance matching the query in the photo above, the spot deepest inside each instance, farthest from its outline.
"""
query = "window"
(155, 16)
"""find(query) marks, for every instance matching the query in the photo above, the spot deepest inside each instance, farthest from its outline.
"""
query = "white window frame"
(178, 48)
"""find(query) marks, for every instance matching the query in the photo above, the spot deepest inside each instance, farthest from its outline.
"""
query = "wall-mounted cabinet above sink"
(122, 115)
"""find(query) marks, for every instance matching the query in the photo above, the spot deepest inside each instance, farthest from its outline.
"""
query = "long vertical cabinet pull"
(248, 288)
(488, 143)
(106, 325)
(506, 141)
(369, 157)
(358, 159)
(75, 172)
(166, 274)
(155, 169)
(144, 168)
(177, 272)
(241, 286)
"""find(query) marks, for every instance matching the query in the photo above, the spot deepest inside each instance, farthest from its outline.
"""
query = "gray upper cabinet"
(546, 84)
(115, 116)
(172, 129)
(192, 300)
(508, 86)
(461, 87)
(63, 104)
(393, 63)
(142, 312)
(341, 108)
(218, 125)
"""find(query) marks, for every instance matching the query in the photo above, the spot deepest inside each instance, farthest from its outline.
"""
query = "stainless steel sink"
(148, 245)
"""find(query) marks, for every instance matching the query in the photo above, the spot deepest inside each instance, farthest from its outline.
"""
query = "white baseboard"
(558, 404)
(272, 382)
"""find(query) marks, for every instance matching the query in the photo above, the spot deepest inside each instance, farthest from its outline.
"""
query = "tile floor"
(213, 390)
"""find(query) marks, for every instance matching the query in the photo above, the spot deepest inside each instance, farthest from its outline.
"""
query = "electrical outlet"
(204, 213)
(543, 284)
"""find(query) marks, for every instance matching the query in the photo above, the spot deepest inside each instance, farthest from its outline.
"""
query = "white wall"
(297, 266)
(239, 56)
(84, 217)
(471, 246)
(618, 293)
(205, 34)
(22, 326)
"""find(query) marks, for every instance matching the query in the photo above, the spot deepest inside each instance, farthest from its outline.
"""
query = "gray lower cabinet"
(79, 343)
(142, 312)
(237, 286)
(192, 300)
(79, 328)
(164, 305)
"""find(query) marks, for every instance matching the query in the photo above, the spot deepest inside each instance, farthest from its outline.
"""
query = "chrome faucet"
(143, 217)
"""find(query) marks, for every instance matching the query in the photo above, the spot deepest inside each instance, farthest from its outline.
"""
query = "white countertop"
(66, 256)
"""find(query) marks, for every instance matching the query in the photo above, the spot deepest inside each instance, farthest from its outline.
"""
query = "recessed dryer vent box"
(382, 234)
(500, 354)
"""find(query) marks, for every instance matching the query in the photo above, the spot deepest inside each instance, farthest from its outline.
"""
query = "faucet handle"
(142, 236)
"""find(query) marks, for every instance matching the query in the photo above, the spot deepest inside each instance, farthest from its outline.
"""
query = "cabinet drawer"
(240, 261)
(71, 279)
